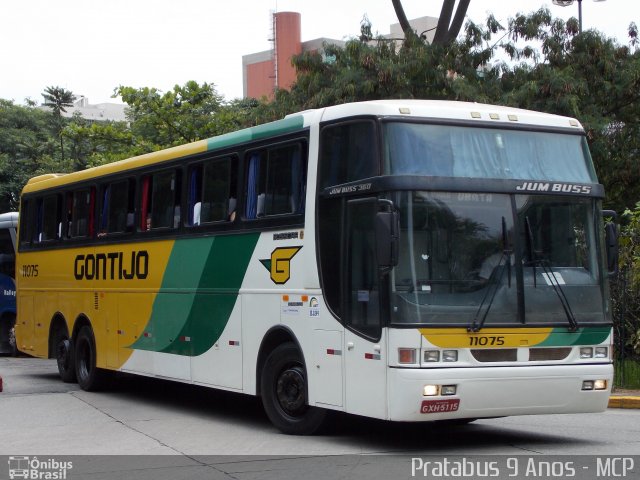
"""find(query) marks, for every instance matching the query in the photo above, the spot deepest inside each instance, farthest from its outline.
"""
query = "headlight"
(600, 385)
(430, 390)
(586, 352)
(602, 352)
(449, 355)
(448, 390)
(431, 355)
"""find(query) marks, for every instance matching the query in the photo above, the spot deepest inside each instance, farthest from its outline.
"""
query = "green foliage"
(25, 141)
(185, 114)
(35, 141)
(57, 99)
(92, 144)
(627, 374)
(626, 289)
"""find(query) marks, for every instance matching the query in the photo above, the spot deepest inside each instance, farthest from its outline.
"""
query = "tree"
(184, 114)
(25, 141)
(364, 70)
(58, 99)
(446, 30)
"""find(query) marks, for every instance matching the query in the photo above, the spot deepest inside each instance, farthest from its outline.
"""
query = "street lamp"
(566, 3)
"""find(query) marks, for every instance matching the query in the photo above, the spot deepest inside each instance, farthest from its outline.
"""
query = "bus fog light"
(587, 385)
(450, 356)
(600, 385)
(602, 352)
(430, 390)
(448, 390)
(406, 355)
(431, 356)
(586, 352)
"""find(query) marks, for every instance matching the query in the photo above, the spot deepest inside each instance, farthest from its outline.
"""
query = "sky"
(92, 47)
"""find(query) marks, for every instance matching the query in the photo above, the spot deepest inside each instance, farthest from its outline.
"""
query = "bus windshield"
(478, 260)
(452, 151)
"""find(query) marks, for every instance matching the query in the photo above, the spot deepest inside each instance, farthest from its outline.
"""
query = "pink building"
(264, 71)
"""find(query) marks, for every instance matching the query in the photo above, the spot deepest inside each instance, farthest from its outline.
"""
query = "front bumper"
(498, 391)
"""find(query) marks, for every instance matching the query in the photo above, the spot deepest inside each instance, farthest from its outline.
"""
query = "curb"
(621, 401)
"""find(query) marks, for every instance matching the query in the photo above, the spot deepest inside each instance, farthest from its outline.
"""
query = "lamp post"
(566, 3)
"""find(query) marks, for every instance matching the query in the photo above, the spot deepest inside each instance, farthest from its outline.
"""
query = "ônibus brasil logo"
(35, 469)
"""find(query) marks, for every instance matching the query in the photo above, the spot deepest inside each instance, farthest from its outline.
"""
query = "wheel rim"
(291, 391)
(84, 359)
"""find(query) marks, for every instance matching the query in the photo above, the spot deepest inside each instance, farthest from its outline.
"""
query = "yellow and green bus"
(403, 260)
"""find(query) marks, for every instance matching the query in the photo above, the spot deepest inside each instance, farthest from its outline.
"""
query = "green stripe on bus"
(289, 124)
(209, 271)
(583, 336)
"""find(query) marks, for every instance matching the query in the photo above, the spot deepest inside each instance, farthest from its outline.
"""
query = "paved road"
(141, 416)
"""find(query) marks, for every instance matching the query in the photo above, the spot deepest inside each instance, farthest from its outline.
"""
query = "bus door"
(365, 342)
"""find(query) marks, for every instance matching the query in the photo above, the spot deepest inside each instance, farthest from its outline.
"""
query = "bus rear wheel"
(90, 377)
(64, 357)
(284, 393)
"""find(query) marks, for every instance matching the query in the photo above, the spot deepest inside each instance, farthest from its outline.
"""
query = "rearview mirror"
(611, 242)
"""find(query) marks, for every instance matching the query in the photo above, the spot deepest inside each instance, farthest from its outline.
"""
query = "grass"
(627, 374)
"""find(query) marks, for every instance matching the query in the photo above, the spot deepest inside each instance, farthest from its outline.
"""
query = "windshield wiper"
(535, 260)
(494, 283)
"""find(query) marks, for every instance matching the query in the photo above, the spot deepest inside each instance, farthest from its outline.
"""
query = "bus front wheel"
(284, 393)
(90, 377)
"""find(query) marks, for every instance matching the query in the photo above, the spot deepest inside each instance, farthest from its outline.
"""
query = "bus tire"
(63, 351)
(90, 377)
(284, 392)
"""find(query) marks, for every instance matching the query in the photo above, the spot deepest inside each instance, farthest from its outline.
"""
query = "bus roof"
(427, 109)
(451, 110)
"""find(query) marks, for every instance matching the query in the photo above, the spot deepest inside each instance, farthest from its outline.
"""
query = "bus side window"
(145, 204)
(194, 197)
(82, 213)
(50, 225)
(348, 153)
(27, 222)
(276, 180)
(164, 191)
(117, 208)
(67, 217)
(213, 191)
(219, 186)
(7, 254)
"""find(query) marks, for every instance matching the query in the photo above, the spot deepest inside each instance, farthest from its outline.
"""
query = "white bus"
(403, 260)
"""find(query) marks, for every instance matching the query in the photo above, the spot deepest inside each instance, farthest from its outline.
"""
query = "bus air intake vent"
(541, 354)
(495, 354)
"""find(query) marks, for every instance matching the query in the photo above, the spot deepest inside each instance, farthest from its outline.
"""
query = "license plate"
(440, 406)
